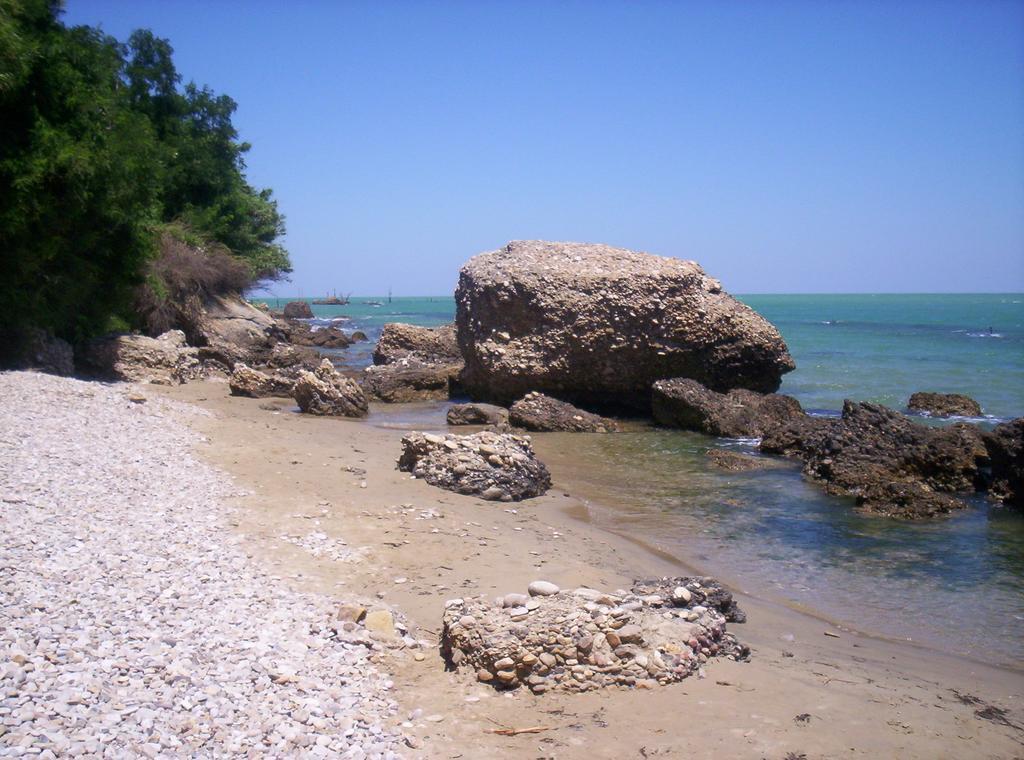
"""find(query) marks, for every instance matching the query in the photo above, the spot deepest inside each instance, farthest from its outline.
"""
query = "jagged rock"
(687, 404)
(540, 413)
(586, 639)
(428, 345)
(1005, 446)
(734, 461)
(944, 404)
(891, 464)
(594, 324)
(35, 348)
(495, 467)
(409, 380)
(326, 392)
(245, 381)
(298, 310)
(477, 414)
(166, 360)
(285, 356)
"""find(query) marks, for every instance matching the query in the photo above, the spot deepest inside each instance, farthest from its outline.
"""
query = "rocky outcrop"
(596, 324)
(409, 380)
(1005, 446)
(35, 348)
(944, 404)
(231, 330)
(325, 392)
(493, 466)
(687, 404)
(427, 345)
(539, 413)
(583, 640)
(166, 360)
(298, 310)
(477, 414)
(734, 461)
(303, 334)
(891, 464)
(245, 381)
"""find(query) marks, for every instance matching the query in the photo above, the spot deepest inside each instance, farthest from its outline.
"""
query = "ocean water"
(956, 584)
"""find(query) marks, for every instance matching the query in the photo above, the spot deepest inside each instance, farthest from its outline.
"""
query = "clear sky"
(788, 147)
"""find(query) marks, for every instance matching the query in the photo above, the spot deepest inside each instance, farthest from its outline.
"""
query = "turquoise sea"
(956, 584)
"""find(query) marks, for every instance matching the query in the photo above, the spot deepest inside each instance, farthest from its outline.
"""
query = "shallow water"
(955, 583)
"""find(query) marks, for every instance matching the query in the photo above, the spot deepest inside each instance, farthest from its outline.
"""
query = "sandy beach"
(803, 693)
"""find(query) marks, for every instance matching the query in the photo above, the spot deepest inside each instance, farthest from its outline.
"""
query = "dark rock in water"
(298, 310)
(427, 345)
(477, 414)
(407, 381)
(302, 334)
(736, 462)
(1005, 446)
(325, 392)
(944, 404)
(594, 324)
(891, 464)
(493, 466)
(690, 591)
(358, 336)
(685, 403)
(245, 381)
(540, 413)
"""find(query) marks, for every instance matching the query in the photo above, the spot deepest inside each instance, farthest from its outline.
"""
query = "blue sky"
(788, 147)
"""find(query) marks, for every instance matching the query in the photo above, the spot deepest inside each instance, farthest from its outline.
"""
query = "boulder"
(165, 360)
(298, 310)
(584, 640)
(230, 329)
(892, 465)
(493, 466)
(326, 392)
(686, 404)
(286, 356)
(304, 334)
(944, 404)
(599, 325)
(245, 381)
(428, 345)
(540, 413)
(1005, 446)
(35, 348)
(734, 461)
(406, 381)
(477, 414)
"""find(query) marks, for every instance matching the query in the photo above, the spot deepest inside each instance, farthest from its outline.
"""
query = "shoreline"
(866, 679)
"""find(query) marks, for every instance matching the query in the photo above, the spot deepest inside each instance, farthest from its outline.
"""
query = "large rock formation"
(326, 392)
(944, 404)
(687, 404)
(539, 413)
(230, 329)
(166, 360)
(1005, 446)
(493, 466)
(592, 323)
(552, 640)
(891, 464)
(298, 310)
(429, 345)
(245, 381)
(409, 380)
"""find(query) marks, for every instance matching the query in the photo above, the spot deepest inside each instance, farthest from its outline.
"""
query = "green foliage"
(99, 151)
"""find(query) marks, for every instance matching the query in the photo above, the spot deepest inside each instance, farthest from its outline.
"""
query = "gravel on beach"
(132, 621)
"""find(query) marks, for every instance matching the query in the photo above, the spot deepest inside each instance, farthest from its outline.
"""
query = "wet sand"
(802, 694)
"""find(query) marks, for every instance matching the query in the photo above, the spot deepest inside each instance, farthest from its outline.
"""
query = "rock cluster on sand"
(406, 380)
(493, 466)
(891, 464)
(166, 360)
(552, 640)
(595, 324)
(298, 310)
(944, 404)
(326, 392)
(133, 620)
(476, 414)
(540, 413)
(686, 404)
(245, 381)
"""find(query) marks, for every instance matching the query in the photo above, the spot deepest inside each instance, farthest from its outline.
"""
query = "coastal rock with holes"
(684, 403)
(326, 392)
(428, 345)
(539, 413)
(165, 360)
(586, 639)
(597, 325)
(944, 404)
(477, 414)
(408, 380)
(493, 466)
(245, 381)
